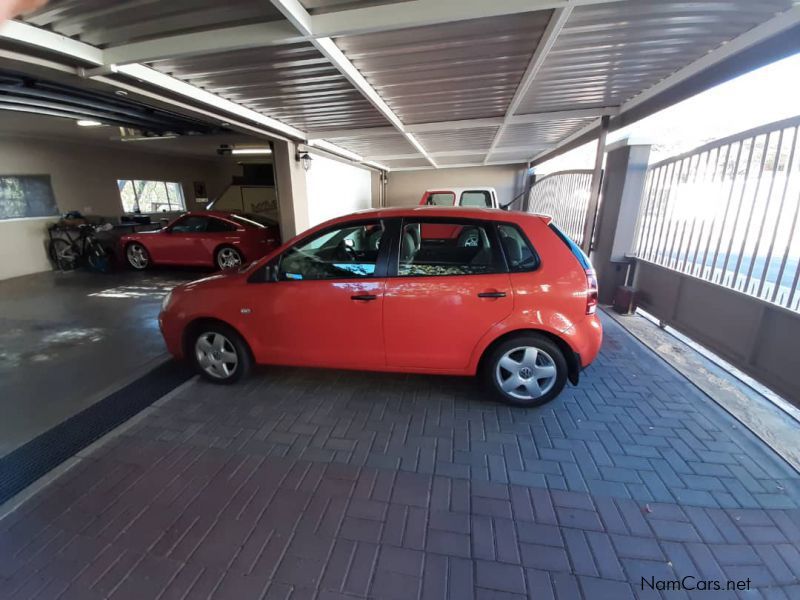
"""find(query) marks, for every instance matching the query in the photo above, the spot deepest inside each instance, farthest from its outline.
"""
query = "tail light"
(591, 292)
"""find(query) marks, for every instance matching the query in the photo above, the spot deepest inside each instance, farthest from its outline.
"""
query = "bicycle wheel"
(63, 254)
(97, 258)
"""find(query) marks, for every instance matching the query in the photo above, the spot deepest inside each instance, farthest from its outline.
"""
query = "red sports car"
(207, 238)
(504, 295)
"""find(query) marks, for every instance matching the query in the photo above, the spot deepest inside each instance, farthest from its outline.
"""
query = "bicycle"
(68, 252)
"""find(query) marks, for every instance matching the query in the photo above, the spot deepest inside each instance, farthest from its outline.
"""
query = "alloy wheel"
(526, 373)
(216, 355)
(137, 256)
(228, 258)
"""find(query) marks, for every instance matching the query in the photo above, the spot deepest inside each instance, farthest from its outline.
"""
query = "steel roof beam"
(543, 47)
(204, 42)
(773, 27)
(354, 21)
(302, 20)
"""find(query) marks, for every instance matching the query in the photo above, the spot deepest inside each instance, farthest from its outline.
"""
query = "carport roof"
(402, 84)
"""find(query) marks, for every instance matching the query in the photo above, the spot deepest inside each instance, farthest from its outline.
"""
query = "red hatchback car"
(425, 290)
(204, 238)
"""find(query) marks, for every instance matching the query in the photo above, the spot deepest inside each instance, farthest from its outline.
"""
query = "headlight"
(165, 302)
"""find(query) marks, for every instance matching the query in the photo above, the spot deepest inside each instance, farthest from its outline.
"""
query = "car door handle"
(492, 295)
(364, 297)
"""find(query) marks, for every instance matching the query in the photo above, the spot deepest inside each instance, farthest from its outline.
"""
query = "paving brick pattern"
(332, 485)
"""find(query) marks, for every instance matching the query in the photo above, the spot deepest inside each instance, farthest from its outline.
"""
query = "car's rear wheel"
(220, 354)
(228, 257)
(526, 370)
(137, 256)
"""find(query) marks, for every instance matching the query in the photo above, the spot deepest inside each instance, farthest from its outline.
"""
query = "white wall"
(406, 187)
(84, 177)
(335, 188)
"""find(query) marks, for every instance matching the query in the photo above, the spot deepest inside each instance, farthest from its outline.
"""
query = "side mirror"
(273, 273)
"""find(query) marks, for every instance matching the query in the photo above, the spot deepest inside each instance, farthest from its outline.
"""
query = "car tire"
(137, 256)
(219, 354)
(532, 361)
(228, 257)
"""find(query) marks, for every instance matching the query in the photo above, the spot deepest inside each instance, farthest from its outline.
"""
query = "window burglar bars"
(727, 212)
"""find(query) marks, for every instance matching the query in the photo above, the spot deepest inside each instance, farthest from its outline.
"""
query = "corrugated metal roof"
(375, 143)
(478, 138)
(111, 22)
(608, 53)
(541, 133)
(322, 6)
(407, 163)
(462, 70)
(293, 83)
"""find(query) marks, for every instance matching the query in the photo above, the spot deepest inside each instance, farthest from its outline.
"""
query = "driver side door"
(324, 307)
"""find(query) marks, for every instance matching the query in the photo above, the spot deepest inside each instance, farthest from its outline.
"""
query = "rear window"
(480, 198)
(251, 220)
(573, 247)
(442, 199)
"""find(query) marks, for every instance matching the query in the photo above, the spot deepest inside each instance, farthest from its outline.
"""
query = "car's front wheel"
(220, 354)
(526, 370)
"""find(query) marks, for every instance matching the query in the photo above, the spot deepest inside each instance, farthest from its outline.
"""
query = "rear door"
(443, 295)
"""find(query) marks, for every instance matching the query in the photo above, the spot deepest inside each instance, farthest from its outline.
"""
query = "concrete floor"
(335, 485)
(68, 339)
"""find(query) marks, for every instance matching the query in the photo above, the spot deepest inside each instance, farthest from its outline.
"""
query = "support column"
(594, 193)
(623, 190)
(290, 180)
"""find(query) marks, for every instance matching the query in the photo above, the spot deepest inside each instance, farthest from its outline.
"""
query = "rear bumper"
(592, 336)
(585, 339)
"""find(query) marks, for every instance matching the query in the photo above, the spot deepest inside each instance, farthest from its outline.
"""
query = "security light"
(305, 158)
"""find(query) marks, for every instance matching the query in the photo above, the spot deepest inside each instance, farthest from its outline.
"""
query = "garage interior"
(123, 475)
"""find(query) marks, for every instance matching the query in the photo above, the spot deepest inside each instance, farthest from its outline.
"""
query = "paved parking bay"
(335, 485)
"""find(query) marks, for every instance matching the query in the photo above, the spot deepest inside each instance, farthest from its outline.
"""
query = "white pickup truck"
(483, 197)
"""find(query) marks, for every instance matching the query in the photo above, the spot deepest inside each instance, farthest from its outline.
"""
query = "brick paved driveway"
(334, 485)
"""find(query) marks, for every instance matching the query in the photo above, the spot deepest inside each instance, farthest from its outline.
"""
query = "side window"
(519, 254)
(442, 248)
(344, 253)
(218, 226)
(442, 199)
(190, 224)
(479, 198)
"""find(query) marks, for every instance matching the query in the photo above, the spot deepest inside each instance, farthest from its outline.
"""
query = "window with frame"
(141, 196)
(477, 198)
(442, 199)
(26, 197)
(519, 254)
(190, 224)
(347, 252)
(429, 249)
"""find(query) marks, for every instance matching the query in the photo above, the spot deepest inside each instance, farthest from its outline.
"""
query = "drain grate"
(30, 461)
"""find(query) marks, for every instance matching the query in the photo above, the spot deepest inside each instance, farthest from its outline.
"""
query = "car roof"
(223, 214)
(446, 211)
(459, 190)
